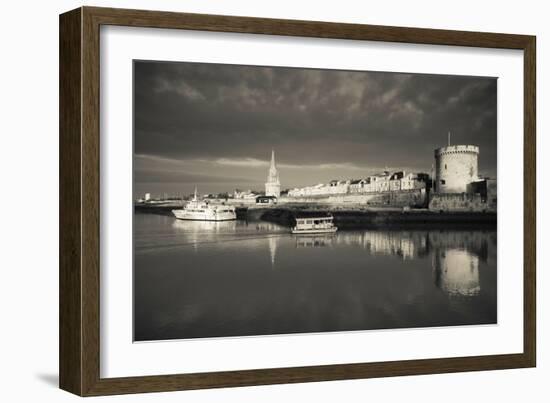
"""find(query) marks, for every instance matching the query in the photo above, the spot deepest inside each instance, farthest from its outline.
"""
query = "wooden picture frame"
(79, 201)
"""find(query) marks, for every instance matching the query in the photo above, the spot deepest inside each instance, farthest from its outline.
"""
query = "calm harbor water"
(208, 279)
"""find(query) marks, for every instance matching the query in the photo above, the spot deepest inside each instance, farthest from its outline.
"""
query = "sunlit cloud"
(250, 162)
(254, 162)
(238, 162)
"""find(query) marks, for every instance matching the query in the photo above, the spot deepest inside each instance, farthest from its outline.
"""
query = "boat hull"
(314, 231)
(206, 216)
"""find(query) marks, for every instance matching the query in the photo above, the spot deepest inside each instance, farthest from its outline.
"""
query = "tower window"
(445, 166)
(442, 181)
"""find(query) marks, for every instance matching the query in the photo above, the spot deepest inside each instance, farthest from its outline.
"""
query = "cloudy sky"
(214, 126)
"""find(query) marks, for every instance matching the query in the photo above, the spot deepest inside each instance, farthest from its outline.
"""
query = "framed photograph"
(248, 201)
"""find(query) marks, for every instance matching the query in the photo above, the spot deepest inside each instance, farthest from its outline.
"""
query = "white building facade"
(379, 183)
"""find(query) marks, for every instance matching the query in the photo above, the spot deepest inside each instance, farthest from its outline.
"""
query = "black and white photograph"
(275, 200)
(245, 201)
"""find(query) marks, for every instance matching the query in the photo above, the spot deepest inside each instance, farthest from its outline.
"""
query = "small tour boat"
(314, 223)
(199, 210)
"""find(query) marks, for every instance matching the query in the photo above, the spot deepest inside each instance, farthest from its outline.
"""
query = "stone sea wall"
(384, 218)
(401, 198)
(459, 202)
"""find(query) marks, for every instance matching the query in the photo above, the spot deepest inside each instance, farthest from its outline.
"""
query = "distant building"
(383, 182)
(245, 194)
(266, 200)
(487, 189)
(273, 186)
(147, 196)
(356, 185)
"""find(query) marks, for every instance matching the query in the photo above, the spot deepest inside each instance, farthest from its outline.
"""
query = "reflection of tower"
(272, 242)
(456, 271)
(273, 186)
(455, 168)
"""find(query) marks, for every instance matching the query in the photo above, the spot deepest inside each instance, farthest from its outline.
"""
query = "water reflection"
(321, 241)
(456, 271)
(405, 244)
(199, 234)
(210, 279)
(272, 242)
(263, 226)
(455, 254)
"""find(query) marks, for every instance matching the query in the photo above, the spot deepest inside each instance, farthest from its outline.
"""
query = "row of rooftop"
(382, 182)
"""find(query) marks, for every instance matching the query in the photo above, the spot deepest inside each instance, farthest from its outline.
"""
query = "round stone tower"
(455, 168)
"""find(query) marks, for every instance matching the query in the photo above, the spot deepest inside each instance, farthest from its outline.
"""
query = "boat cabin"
(314, 222)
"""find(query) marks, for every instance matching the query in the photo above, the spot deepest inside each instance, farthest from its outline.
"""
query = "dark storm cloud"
(350, 121)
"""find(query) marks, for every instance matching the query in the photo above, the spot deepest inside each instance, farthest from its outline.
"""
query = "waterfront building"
(244, 195)
(383, 182)
(357, 185)
(457, 185)
(273, 186)
(487, 189)
(379, 182)
(339, 186)
(454, 185)
(455, 168)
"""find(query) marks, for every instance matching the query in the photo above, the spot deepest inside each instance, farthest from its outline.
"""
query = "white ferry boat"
(199, 210)
(314, 223)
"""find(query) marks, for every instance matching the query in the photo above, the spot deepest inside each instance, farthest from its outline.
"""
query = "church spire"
(273, 186)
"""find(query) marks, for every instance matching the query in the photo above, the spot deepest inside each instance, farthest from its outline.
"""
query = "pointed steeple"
(272, 159)
(273, 175)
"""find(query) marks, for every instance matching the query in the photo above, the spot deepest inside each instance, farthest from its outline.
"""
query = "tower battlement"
(456, 150)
